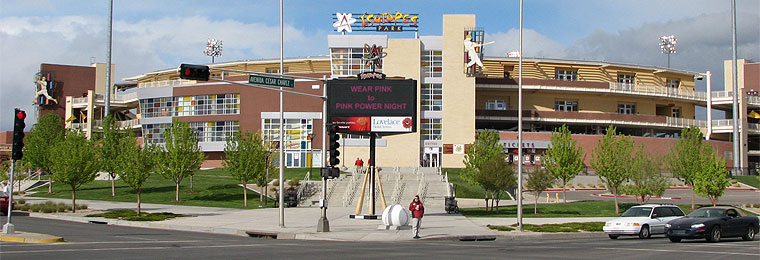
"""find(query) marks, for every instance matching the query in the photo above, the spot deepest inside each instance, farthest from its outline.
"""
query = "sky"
(155, 35)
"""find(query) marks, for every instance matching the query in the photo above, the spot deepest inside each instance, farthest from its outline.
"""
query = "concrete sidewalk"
(301, 223)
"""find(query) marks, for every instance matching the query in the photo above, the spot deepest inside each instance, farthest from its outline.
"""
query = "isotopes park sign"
(379, 106)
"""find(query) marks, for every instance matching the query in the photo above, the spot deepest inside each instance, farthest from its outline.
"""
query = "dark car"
(713, 224)
(3, 204)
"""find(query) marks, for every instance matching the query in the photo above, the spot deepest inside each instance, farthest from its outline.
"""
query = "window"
(348, 61)
(213, 104)
(154, 133)
(676, 113)
(673, 83)
(564, 74)
(628, 109)
(676, 211)
(566, 106)
(661, 212)
(296, 132)
(432, 97)
(432, 64)
(276, 70)
(625, 81)
(431, 129)
(496, 105)
(215, 131)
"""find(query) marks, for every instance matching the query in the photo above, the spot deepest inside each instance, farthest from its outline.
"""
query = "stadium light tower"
(213, 48)
(668, 45)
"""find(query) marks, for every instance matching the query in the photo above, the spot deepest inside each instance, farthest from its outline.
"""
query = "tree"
(612, 161)
(76, 162)
(538, 181)
(135, 164)
(564, 158)
(245, 158)
(496, 176)
(38, 145)
(684, 158)
(485, 148)
(181, 156)
(713, 177)
(272, 156)
(646, 179)
(110, 149)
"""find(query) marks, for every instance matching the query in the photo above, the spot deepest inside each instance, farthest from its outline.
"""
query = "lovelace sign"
(380, 106)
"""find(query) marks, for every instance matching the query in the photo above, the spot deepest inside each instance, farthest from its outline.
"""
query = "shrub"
(580, 185)
(756, 205)
(500, 228)
(570, 186)
(734, 181)
(21, 201)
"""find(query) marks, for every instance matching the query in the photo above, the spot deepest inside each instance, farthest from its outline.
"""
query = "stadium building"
(459, 92)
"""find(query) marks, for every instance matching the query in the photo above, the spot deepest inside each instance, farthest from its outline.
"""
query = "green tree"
(38, 145)
(538, 181)
(245, 158)
(181, 156)
(564, 158)
(496, 177)
(76, 162)
(612, 161)
(713, 177)
(110, 149)
(684, 158)
(646, 178)
(136, 164)
(485, 148)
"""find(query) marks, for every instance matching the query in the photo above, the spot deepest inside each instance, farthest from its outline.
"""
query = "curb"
(31, 238)
(633, 197)
(545, 236)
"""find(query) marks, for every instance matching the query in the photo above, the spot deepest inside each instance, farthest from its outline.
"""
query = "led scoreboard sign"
(378, 106)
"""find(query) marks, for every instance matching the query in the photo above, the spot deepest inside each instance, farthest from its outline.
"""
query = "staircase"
(400, 185)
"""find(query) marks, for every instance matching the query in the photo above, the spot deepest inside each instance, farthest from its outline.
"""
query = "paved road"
(95, 241)
(730, 197)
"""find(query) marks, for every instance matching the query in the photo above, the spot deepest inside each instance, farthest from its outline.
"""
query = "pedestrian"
(417, 210)
(6, 189)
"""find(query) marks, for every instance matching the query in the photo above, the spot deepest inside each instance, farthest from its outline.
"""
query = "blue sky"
(154, 35)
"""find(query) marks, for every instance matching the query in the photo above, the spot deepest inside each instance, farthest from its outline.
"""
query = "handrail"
(304, 183)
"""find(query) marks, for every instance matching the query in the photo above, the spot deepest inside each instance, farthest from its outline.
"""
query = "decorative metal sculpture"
(43, 87)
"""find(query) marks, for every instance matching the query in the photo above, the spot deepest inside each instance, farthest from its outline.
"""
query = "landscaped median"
(555, 228)
(32, 238)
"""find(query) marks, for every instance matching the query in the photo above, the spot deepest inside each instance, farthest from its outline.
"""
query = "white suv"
(643, 221)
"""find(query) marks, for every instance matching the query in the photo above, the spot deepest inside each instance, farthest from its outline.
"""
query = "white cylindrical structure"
(396, 215)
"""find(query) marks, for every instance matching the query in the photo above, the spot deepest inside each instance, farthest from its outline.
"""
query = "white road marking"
(128, 248)
(677, 251)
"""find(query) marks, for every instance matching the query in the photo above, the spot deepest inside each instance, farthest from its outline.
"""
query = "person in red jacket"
(418, 210)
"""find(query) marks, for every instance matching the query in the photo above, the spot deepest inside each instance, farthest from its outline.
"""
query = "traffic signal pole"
(8, 227)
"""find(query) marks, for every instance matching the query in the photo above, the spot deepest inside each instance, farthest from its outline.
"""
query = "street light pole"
(282, 136)
(519, 127)
(734, 72)
(108, 60)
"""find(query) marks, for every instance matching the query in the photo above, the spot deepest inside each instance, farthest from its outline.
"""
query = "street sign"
(270, 81)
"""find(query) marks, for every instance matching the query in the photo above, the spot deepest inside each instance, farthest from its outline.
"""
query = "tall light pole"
(668, 45)
(519, 127)
(213, 48)
(734, 72)
(282, 136)
(108, 60)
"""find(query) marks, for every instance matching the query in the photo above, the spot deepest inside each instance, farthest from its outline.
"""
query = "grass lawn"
(573, 209)
(753, 181)
(131, 215)
(212, 188)
(554, 228)
(463, 188)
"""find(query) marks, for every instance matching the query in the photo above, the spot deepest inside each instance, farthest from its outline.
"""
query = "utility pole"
(108, 60)
(282, 137)
(519, 128)
(734, 72)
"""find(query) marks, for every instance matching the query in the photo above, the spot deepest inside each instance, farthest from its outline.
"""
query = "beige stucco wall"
(100, 77)
(458, 89)
(403, 60)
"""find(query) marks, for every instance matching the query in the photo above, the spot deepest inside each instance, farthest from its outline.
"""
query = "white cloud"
(138, 47)
(534, 44)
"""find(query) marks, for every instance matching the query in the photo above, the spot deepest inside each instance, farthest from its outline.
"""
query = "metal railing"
(165, 83)
(722, 122)
(99, 124)
(303, 186)
(685, 122)
(658, 90)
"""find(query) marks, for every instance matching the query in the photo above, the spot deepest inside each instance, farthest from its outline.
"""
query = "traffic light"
(18, 134)
(194, 72)
(334, 145)
(330, 172)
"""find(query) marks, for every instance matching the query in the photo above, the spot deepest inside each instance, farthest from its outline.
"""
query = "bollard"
(547, 198)
(557, 197)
